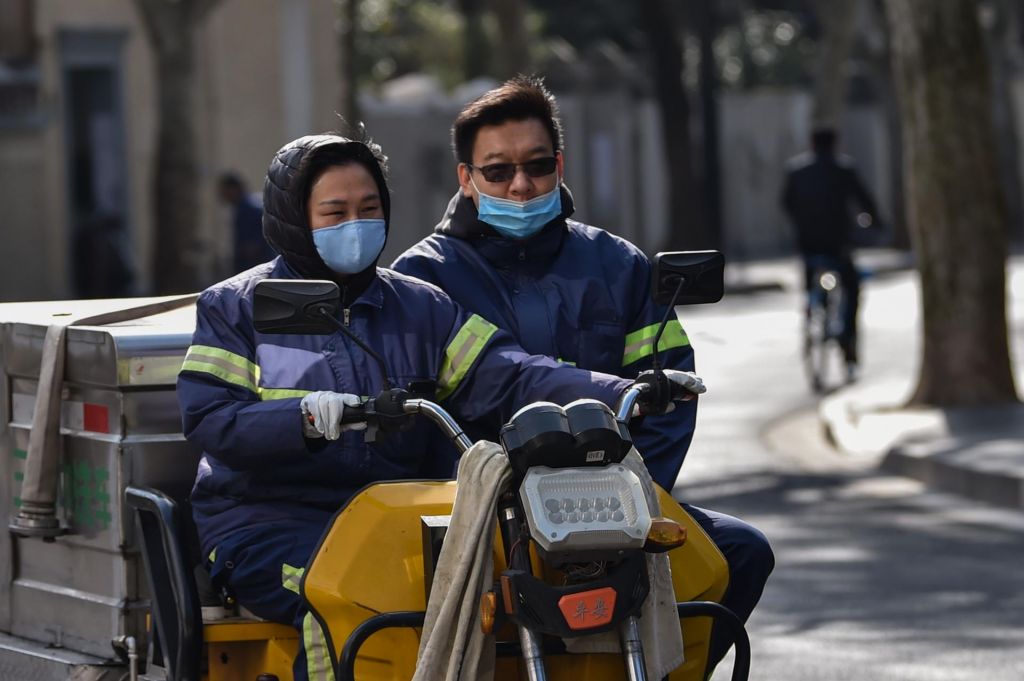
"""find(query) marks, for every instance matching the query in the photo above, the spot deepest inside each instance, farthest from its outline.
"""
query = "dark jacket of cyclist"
(820, 189)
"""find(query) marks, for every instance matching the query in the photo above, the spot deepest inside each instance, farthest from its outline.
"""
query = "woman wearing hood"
(269, 481)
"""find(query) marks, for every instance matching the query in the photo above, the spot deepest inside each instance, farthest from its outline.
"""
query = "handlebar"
(389, 409)
(652, 392)
(629, 399)
(355, 414)
(442, 419)
(351, 414)
(656, 391)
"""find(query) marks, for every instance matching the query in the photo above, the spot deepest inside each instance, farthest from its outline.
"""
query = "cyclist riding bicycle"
(817, 197)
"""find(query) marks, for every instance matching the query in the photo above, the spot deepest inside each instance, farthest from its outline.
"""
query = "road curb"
(918, 460)
(982, 463)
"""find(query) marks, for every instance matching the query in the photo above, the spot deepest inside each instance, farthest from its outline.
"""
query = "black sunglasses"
(504, 172)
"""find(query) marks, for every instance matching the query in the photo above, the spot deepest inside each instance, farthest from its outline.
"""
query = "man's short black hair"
(518, 99)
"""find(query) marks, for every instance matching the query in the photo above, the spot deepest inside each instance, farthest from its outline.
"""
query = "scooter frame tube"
(511, 531)
(632, 650)
(347, 661)
(628, 401)
(442, 419)
(741, 642)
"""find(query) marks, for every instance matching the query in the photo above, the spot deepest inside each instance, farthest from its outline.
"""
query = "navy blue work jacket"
(574, 293)
(239, 392)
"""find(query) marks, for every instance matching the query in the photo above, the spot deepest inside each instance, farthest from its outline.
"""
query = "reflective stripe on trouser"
(462, 352)
(318, 658)
(258, 565)
(640, 343)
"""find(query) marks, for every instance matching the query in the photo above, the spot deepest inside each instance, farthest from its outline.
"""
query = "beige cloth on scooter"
(454, 648)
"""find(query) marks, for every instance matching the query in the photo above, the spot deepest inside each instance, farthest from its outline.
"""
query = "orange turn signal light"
(488, 608)
(665, 534)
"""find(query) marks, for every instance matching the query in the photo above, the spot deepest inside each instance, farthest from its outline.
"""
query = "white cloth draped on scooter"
(454, 648)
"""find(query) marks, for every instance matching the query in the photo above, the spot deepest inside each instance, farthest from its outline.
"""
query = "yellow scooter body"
(371, 561)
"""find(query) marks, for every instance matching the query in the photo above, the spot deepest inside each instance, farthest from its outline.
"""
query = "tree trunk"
(513, 52)
(1005, 56)
(686, 226)
(882, 74)
(348, 22)
(475, 51)
(170, 26)
(838, 17)
(956, 212)
(711, 177)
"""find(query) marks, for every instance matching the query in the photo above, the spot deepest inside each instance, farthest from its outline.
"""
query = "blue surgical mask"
(351, 246)
(519, 219)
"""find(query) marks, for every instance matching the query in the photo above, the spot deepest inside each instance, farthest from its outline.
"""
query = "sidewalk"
(974, 452)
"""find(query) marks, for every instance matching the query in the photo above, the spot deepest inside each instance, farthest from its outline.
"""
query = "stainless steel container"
(120, 425)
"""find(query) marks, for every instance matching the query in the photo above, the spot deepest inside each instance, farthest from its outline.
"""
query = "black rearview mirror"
(701, 273)
(295, 306)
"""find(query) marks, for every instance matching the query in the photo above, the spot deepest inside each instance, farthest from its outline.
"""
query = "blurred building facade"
(78, 130)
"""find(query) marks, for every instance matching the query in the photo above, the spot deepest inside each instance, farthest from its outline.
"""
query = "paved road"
(876, 578)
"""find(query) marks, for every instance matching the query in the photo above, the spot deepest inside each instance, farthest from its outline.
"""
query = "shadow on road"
(860, 556)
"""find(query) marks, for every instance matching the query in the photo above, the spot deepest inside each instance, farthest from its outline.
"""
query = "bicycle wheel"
(823, 357)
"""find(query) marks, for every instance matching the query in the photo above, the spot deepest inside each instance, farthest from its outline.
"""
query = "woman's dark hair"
(518, 99)
(366, 153)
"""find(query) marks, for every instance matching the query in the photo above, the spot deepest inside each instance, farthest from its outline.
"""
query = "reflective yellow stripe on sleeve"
(281, 393)
(640, 343)
(227, 366)
(462, 352)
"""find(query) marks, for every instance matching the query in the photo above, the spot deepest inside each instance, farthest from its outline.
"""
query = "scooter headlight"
(585, 509)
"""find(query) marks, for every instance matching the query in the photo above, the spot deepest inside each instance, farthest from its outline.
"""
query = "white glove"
(688, 380)
(327, 409)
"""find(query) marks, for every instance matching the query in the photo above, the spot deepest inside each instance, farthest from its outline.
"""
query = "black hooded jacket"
(285, 221)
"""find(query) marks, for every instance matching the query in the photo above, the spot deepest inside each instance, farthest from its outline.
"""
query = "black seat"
(177, 614)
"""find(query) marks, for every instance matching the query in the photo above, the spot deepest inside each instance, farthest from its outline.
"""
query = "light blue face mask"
(350, 247)
(519, 219)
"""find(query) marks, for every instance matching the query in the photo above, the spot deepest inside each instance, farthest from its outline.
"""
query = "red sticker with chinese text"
(588, 609)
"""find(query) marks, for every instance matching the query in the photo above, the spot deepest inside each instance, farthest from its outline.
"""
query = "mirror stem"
(656, 363)
(325, 312)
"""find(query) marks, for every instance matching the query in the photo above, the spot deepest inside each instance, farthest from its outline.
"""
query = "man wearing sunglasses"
(506, 250)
